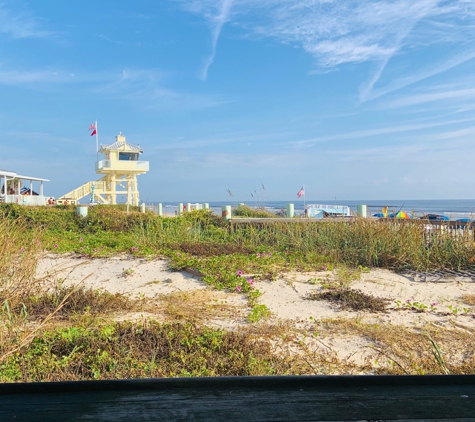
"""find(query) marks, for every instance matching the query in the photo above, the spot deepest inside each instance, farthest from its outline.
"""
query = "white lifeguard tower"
(120, 167)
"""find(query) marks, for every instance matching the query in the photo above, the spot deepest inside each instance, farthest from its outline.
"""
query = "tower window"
(128, 156)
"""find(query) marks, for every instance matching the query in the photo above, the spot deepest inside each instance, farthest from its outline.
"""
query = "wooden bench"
(229, 399)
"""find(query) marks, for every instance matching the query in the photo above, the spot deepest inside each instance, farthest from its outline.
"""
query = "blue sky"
(355, 99)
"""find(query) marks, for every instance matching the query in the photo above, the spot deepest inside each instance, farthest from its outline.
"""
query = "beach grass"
(51, 332)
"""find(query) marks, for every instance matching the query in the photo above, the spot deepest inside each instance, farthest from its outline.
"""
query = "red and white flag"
(301, 192)
(93, 132)
(93, 126)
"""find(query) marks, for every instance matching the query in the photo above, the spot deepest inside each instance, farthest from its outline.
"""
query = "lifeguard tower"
(120, 167)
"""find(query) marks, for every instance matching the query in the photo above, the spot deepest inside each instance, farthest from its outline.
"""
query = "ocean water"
(453, 208)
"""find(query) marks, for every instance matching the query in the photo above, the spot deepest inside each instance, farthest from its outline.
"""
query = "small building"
(323, 211)
(17, 188)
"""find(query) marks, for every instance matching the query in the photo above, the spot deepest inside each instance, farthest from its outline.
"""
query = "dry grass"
(469, 299)
(197, 306)
(79, 300)
(350, 299)
(401, 350)
(20, 249)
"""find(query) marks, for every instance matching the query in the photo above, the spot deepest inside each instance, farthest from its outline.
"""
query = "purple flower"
(55, 245)
(249, 280)
(270, 254)
(239, 273)
(238, 288)
(434, 304)
(258, 255)
(178, 254)
(22, 250)
(84, 255)
(408, 301)
(134, 248)
(80, 239)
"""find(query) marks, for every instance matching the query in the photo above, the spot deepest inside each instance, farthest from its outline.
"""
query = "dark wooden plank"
(339, 398)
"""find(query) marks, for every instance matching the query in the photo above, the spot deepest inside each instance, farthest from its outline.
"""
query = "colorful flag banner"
(92, 127)
(301, 192)
(93, 132)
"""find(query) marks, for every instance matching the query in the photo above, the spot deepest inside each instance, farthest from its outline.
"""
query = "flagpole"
(97, 143)
(304, 193)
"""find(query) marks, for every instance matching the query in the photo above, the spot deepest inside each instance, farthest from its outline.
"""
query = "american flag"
(301, 192)
(92, 127)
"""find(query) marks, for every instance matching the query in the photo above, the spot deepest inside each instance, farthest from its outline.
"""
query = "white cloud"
(368, 93)
(20, 24)
(411, 100)
(217, 21)
(28, 77)
(351, 31)
(147, 89)
(375, 132)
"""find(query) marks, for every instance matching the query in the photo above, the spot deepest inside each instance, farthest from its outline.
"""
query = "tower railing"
(122, 165)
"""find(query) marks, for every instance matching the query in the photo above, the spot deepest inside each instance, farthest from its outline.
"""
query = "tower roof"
(121, 145)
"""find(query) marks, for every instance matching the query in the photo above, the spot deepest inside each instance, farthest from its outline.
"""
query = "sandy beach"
(441, 303)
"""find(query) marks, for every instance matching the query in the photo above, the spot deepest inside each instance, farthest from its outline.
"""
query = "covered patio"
(17, 188)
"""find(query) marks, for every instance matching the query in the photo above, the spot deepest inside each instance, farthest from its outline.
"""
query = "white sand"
(284, 297)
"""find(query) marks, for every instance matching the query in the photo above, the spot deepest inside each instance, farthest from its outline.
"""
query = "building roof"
(19, 176)
(119, 145)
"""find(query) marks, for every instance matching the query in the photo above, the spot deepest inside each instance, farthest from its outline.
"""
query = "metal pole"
(97, 142)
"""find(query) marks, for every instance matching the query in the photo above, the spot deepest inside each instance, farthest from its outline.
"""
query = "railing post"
(160, 209)
(362, 211)
(290, 210)
(188, 207)
(226, 212)
(180, 208)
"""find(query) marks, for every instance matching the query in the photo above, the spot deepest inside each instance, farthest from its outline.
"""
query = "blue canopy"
(435, 217)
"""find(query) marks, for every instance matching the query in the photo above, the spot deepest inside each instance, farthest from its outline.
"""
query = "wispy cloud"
(147, 89)
(20, 24)
(420, 75)
(412, 100)
(375, 132)
(29, 77)
(218, 21)
(144, 87)
(336, 33)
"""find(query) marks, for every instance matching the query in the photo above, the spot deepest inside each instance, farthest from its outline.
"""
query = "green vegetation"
(59, 333)
(150, 349)
(200, 235)
(245, 211)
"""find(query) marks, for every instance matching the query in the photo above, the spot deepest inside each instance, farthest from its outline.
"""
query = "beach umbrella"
(379, 215)
(466, 222)
(401, 214)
